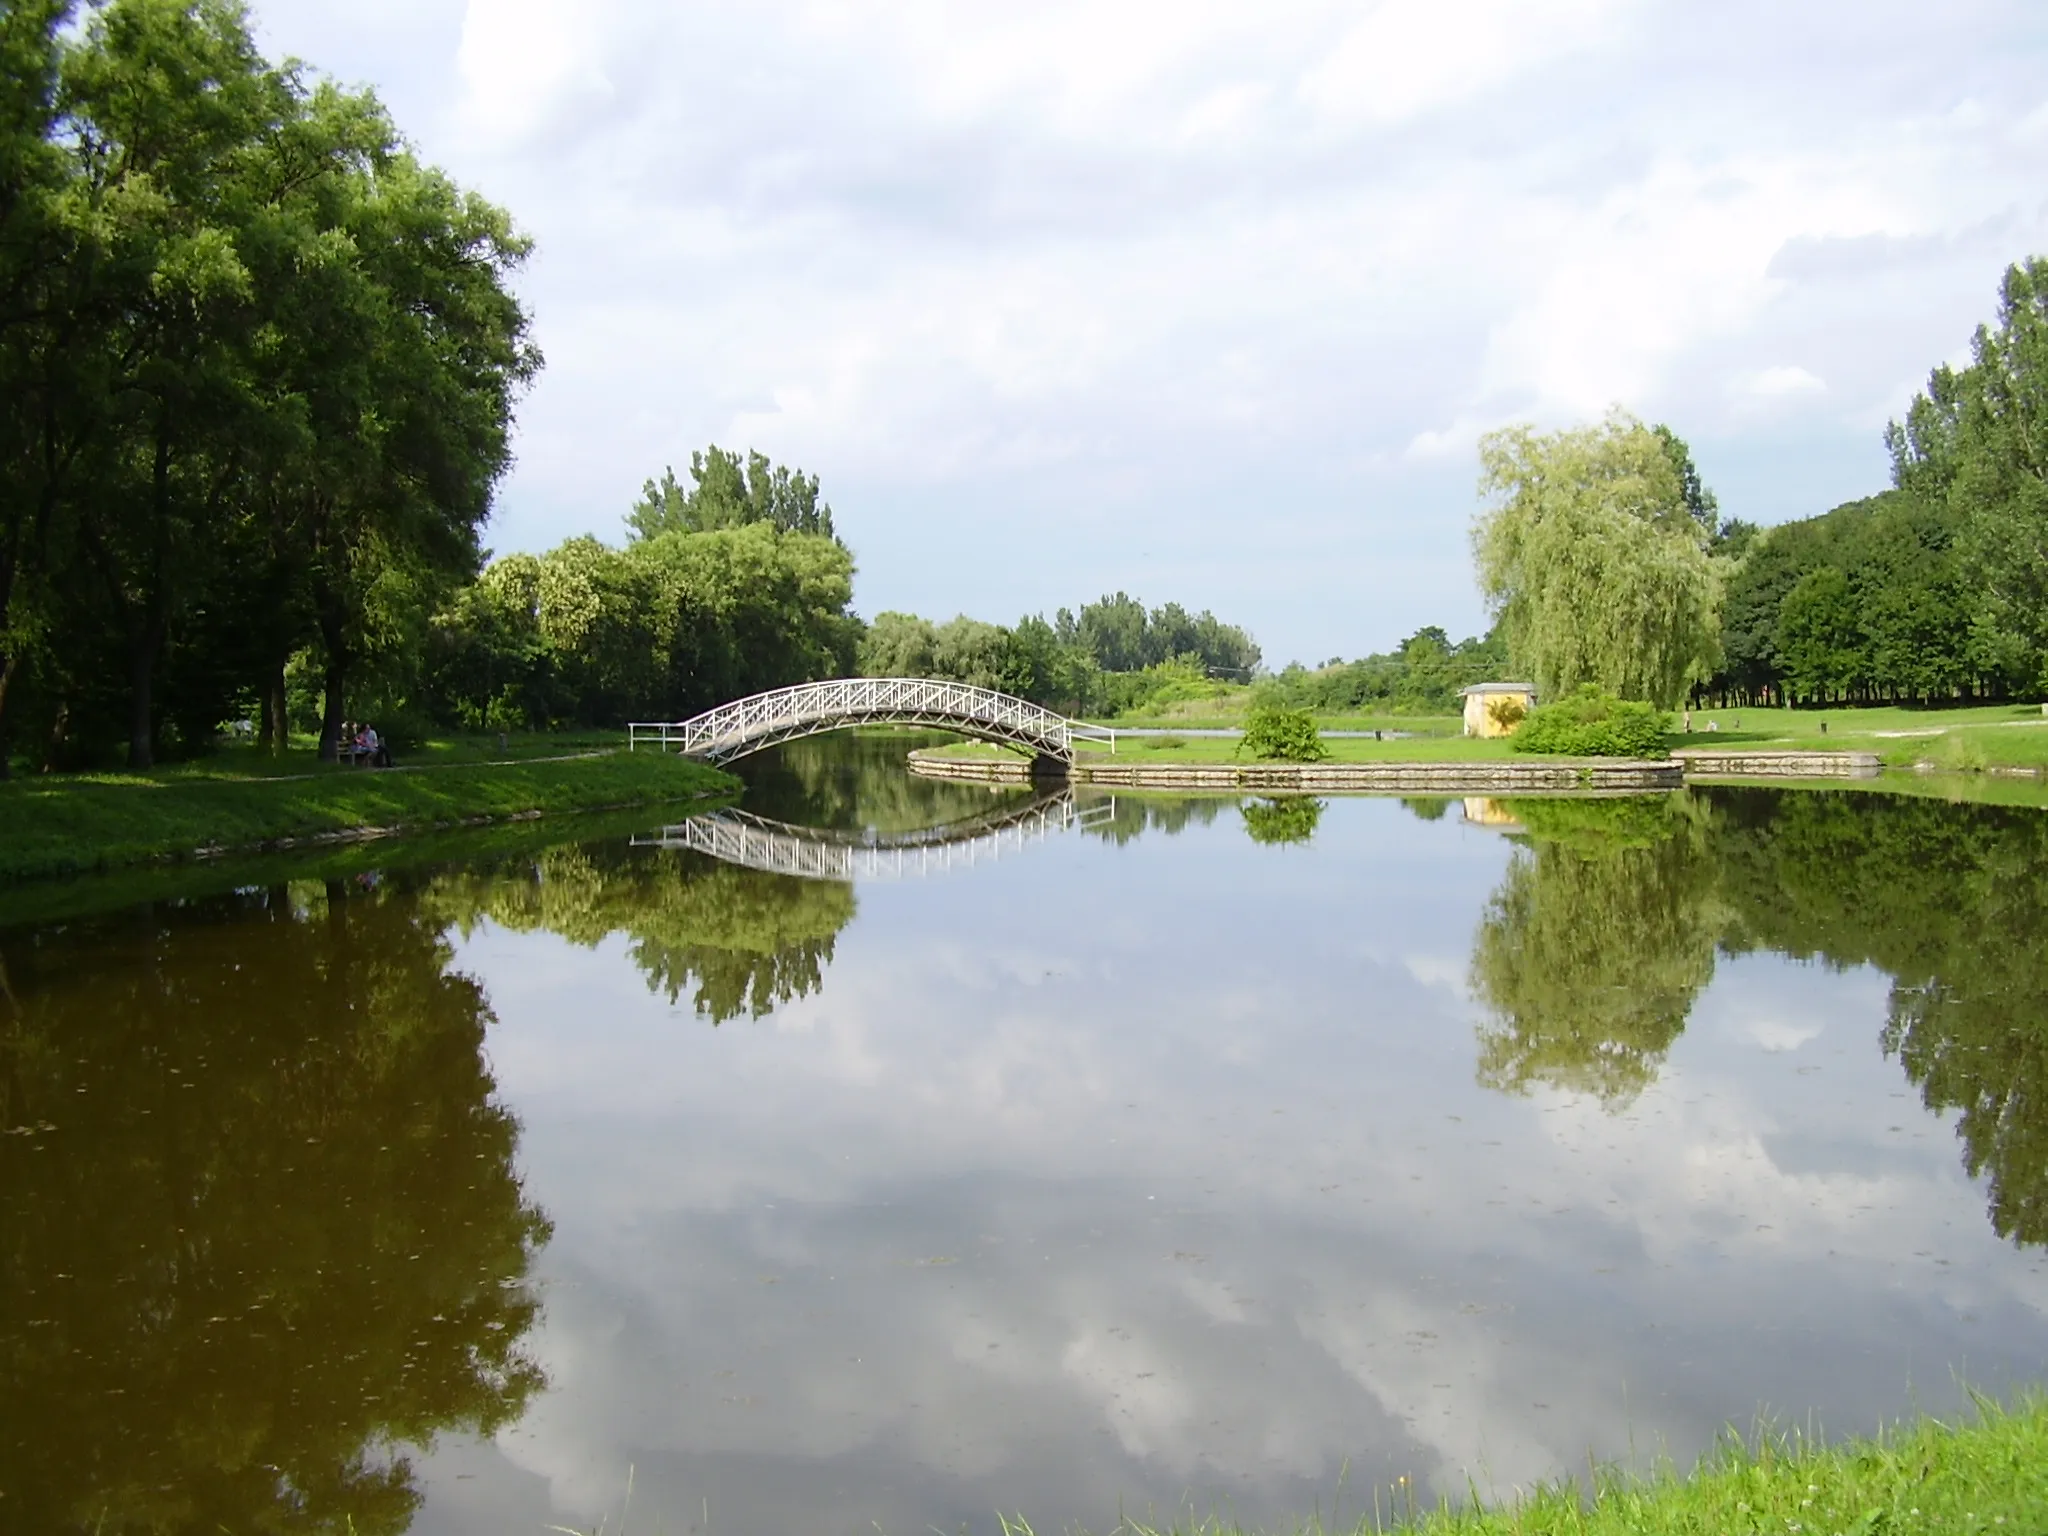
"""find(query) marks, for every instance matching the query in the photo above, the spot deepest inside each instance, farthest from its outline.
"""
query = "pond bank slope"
(60, 826)
(1985, 1477)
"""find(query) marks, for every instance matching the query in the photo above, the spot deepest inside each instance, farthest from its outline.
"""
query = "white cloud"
(1785, 379)
(1114, 271)
(1408, 57)
(526, 64)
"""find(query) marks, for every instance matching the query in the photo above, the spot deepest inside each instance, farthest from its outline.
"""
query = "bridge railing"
(735, 837)
(784, 712)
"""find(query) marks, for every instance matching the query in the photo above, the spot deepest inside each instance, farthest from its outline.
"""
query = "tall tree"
(1593, 562)
(36, 236)
(726, 492)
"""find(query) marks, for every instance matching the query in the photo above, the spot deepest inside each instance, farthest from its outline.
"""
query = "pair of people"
(362, 744)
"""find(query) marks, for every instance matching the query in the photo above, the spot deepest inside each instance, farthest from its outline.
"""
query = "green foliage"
(1111, 661)
(307, 1141)
(1870, 601)
(1274, 733)
(1421, 676)
(1288, 819)
(1591, 953)
(1986, 1473)
(726, 493)
(257, 372)
(1974, 444)
(1595, 560)
(594, 636)
(1591, 722)
(741, 942)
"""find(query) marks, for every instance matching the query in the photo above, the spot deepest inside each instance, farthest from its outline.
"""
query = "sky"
(1207, 302)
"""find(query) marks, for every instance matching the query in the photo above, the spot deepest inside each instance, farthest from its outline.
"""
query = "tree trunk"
(60, 733)
(334, 677)
(9, 665)
(330, 711)
(276, 727)
(141, 706)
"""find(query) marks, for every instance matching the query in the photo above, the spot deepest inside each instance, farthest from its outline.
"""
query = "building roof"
(1498, 688)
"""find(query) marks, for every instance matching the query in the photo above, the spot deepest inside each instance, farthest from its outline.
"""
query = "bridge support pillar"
(1046, 766)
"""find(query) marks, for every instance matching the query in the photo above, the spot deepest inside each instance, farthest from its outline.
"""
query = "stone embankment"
(1523, 777)
(1517, 776)
(1707, 762)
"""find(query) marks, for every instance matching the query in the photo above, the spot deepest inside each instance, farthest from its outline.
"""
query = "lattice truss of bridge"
(737, 837)
(809, 709)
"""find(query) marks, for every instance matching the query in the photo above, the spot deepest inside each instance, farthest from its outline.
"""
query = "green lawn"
(64, 824)
(1985, 736)
(1985, 1477)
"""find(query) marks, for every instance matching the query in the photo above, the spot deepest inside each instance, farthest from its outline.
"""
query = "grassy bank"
(1979, 739)
(1987, 1476)
(1223, 749)
(74, 823)
(1988, 736)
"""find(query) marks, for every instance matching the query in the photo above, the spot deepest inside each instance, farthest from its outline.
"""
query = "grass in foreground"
(1985, 1477)
(67, 825)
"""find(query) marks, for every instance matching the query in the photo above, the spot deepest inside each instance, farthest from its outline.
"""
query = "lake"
(1082, 1156)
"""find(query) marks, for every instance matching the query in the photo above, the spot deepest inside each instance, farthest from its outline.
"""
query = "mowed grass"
(1224, 749)
(1985, 736)
(1978, 738)
(1986, 1476)
(69, 824)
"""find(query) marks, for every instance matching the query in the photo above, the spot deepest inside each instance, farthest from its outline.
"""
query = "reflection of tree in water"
(857, 779)
(1132, 816)
(1282, 819)
(1427, 807)
(741, 941)
(1952, 902)
(1593, 949)
(259, 1224)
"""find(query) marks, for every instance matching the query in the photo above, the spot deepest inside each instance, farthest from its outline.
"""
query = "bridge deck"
(808, 709)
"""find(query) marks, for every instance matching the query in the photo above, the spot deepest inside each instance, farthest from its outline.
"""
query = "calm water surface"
(1135, 1155)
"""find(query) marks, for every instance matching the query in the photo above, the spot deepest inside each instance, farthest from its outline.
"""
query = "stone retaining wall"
(1530, 776)
(1522, 775)
(1706, 762)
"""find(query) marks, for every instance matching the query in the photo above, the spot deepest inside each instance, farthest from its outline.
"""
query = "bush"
(1593, 723)
(1286, 735)
(1274, 820)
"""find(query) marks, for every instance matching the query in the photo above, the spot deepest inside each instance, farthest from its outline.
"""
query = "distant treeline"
(1112, 657)
(1937, 589)
(1422, 676)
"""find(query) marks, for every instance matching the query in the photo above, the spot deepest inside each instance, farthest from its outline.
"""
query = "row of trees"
(592, 635)
(1605, 559)
(1871, 601)
(1422, 676)
(257, 372)
(1112, 656)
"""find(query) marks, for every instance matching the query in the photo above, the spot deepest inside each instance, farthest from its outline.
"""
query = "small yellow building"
(1495, 709)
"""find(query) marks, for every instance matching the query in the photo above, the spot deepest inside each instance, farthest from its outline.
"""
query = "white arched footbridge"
(810, 709)
(755, 842)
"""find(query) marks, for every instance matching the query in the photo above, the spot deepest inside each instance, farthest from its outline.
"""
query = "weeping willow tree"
(1591, 557)
(1592, 951)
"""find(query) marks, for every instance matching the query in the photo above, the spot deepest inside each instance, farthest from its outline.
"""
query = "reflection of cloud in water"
(1127, 1173)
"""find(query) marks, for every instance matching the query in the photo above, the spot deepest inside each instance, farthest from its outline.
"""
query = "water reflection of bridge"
(816, 853)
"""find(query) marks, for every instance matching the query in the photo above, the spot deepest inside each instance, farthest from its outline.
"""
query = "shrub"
(1593, 723)
(1286, 735)
(1274, 820)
